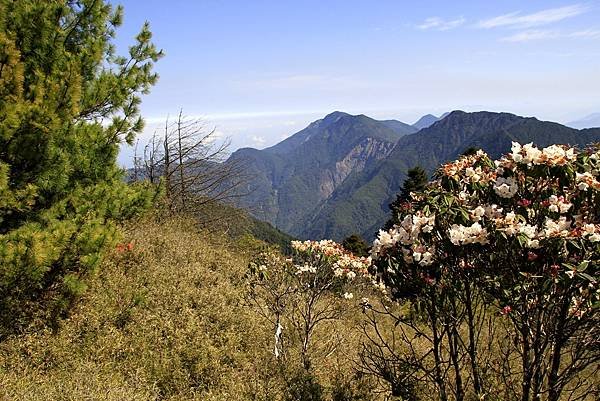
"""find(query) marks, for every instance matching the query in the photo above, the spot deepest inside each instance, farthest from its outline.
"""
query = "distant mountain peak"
(334, 116)
(338, 175)
(339, 124)
(589, 121)
(427, 117)
(428, 120)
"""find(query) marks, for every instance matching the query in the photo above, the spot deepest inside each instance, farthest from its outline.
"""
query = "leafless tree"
(434, 347)
(191, 161)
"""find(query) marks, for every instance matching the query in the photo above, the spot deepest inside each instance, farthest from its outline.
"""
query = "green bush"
(304, 386)
(66, 103)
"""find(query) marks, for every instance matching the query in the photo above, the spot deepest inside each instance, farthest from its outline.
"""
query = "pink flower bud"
(524, 202)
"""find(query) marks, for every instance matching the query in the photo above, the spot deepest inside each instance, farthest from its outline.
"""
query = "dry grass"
(168, 320)
(165, 321)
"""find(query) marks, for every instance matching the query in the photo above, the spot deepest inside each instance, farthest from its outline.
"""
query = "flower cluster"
(469, 169)
(554, 155)
(464, 235)
(591, 232)
(342, 262)
(586, 180)
(407, 233)
(558, 204)
(327, 247)
(557, 228)
(506, 187)
(529, 199)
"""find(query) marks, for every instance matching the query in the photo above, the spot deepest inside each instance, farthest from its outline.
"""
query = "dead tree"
(191, 163)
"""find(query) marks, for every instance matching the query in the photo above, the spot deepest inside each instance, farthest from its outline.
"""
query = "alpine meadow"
(221, 232)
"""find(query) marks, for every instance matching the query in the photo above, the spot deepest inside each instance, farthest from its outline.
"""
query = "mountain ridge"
(339, 177)
(293, 177)
(589, 121)
(425, 121)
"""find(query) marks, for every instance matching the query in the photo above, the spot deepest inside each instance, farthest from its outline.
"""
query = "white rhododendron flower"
(526, 154)
(506, 187)
(406, 233)
(477, 213)
(463, 235)
(426, 259)
(557, 204)
(557, 228)
(528, 230)
(556, 155)
(473, 174)
(493, 211)
(516, 152)
(586, 181)
(591, 232)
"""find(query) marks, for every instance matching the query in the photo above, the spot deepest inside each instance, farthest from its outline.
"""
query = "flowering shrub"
(123, 247)
(524, 230)
(323, 265)
(305, 290)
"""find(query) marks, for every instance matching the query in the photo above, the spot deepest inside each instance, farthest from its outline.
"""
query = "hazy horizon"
(261, 71)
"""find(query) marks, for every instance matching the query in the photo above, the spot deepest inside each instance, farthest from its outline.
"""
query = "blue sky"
(259, 71)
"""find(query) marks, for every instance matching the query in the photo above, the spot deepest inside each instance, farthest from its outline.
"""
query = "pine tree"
(355, 244)
(470, 151)
(416, 181)
(66, 103)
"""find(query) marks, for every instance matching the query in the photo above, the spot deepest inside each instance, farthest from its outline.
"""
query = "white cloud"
(258, 140)
(242, 115)
(588, 34)
(544, 17)
(441, 24)
(528, 36)
(535, 35)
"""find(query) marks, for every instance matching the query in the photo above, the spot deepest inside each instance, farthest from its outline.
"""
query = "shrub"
(520, 235)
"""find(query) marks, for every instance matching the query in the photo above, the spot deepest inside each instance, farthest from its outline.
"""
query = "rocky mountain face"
(337, 176)
(291, 180)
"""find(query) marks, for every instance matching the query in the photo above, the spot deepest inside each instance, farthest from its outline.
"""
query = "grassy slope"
(238, 223)
(162, 321)
(167, 320)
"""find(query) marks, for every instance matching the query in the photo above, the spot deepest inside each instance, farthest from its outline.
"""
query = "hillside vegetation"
(166, 319)
(484, 285)
(337, 176)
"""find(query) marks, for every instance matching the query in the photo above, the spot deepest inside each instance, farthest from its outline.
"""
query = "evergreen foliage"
(470, 151)
(416, 181)
(66, 103)
(357, 245)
